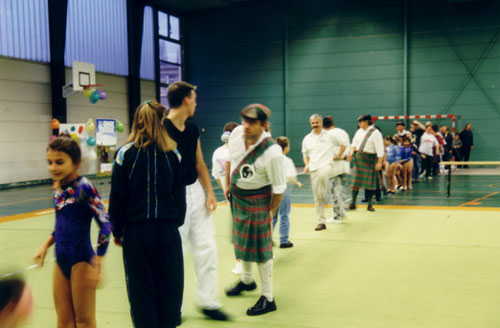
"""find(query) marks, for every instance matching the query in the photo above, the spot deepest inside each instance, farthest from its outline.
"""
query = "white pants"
(319, 183)
(199, 232)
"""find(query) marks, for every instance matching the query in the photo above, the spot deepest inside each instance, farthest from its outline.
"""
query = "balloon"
(73, 129)
(90, 126)
(91, 141)
(119, 126)
(92, 155)
(75, 137)
(52, 138)
(94, 97)
(80, 129)
(102, 94)
(54, 124)
(88, 92)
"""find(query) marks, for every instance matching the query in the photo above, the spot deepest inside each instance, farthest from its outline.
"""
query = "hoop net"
(388, 127)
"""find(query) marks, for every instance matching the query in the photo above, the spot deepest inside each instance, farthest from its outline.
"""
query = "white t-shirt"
(319, 149)
(267, 168)
(427, 143)
(219, 159)
(374, 144)
(290, 171)
(340, 138)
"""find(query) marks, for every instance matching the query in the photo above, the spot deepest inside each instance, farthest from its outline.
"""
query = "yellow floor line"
(476, 201)
(29, 215)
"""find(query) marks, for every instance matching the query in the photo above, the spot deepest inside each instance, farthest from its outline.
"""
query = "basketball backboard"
(83, 75)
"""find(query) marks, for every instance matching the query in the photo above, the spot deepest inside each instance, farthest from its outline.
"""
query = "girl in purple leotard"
(78, 268)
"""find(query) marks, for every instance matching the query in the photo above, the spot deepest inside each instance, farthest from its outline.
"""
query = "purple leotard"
(75, 206)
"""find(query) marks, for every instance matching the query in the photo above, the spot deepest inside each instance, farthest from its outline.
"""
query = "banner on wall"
(106, 140)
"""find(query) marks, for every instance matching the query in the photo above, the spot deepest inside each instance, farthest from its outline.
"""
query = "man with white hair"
(317, 153)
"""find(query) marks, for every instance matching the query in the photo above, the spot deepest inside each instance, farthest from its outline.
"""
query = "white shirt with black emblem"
(268, 169)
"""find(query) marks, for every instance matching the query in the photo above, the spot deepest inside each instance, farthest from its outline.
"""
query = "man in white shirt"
(368, 145)
(256, 186)
(341, 167)
(317, 153)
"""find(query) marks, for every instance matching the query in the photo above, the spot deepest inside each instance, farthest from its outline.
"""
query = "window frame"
(157, 38)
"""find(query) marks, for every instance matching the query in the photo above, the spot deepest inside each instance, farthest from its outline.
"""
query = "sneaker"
(429, 178)
(330, 220)
(337, 221)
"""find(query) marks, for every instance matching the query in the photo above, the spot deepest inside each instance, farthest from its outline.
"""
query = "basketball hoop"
(90, 86)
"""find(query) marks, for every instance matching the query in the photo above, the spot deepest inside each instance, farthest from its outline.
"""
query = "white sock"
(266, 278)
(246, 272)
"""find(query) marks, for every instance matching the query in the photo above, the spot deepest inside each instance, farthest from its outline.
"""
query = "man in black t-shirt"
(198, 230)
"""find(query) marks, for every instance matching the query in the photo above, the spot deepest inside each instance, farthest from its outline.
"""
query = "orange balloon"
(54, 124)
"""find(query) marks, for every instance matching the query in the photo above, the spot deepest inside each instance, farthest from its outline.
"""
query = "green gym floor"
(421, 260)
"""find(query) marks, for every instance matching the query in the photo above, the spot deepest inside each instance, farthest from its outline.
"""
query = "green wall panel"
(346, 58)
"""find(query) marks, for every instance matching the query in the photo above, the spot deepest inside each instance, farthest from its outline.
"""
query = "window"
(24, 29)
(170, 63)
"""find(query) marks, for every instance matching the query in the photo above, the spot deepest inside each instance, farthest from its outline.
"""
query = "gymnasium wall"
(25, 114)
(346, 58)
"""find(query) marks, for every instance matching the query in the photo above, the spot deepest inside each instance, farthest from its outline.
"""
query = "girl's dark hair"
(283, 142)
(67, 145)
(390, 139)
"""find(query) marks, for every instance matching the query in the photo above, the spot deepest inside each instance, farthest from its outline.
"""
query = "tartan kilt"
(252, 236)
(365, 175)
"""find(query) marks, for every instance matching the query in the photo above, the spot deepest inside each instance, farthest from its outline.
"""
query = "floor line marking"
(475, 201)
(24, 201)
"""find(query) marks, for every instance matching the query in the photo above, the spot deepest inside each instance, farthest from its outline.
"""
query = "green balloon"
(119, 126)
(94, 97)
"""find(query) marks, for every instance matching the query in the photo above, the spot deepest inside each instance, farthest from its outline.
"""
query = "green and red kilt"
(365, 175)
(251, 224)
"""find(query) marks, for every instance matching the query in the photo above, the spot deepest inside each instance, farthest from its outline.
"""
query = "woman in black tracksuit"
(146, 207)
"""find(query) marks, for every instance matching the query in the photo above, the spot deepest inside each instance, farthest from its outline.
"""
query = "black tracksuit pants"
(154, 268)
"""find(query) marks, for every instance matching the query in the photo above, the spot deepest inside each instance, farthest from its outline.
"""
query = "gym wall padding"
(345, 58)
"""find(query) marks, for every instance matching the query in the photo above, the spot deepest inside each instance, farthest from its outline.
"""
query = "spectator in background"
(467, 143)
(456, 147)
(428, 147)
(400, 130)
(416, 130)
(448, 138)
(437, 157)
(392, 163)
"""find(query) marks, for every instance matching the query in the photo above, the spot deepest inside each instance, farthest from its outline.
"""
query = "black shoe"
(240, 287)
(288, 244)
(352, 207)
(320, 227)
(370, 208)
(216, 314)
(262, 307)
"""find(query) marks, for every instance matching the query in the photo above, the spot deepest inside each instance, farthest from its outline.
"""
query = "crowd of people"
(161, 201)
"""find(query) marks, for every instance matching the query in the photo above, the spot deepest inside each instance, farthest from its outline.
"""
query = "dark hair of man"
(253, 121)
(283, 142)
(177, 91)
(67, 145)
(229, 126)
